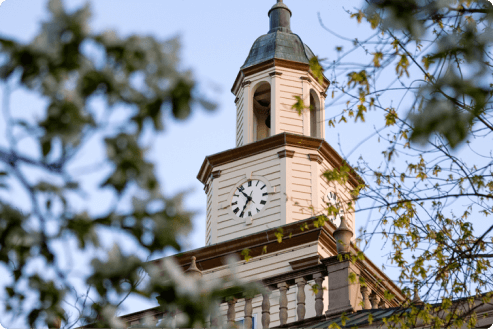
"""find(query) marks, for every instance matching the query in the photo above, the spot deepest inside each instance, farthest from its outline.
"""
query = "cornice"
(277, 141)
(210, 257)
(295, 234)
(285, 154)
(315, 157)
(275, 63)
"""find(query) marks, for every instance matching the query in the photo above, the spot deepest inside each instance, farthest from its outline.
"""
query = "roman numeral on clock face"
(249, 183)
(236, 210)
(263, 202)
(234, 203)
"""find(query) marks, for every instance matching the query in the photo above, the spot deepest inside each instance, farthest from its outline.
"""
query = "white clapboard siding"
(266, 165)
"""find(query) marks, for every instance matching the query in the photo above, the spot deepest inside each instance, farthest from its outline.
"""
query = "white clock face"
(332, 200)
(249, 198)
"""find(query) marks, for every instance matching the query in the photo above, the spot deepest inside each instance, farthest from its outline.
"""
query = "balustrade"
(282, 283)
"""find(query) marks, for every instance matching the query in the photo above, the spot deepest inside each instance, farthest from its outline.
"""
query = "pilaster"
(343, 294)
(315, 161)
(322, 114)
(215, 191)
(306, 100)
(275, 108)
(285, 157)
(247, 113)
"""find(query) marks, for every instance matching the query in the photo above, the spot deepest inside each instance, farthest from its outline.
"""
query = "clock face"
(333, 201)
(249, 198)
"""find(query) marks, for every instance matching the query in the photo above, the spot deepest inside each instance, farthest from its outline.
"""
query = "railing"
(300, 278)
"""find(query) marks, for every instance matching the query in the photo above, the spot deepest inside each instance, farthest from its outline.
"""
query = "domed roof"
(280, 42)
(279, 45)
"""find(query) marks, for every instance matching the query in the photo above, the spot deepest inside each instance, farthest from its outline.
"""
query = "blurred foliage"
(138, 80)
(423, 80)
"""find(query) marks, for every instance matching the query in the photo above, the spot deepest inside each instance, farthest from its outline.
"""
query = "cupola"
(279, 42)
(276, 75)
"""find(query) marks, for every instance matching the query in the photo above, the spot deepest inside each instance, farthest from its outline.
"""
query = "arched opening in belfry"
(314, 114)
(261, 111)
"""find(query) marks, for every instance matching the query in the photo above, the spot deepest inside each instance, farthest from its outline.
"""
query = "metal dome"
(280, 42)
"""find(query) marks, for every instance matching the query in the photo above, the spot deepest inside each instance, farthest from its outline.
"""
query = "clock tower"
(263, 196)
(273, 176)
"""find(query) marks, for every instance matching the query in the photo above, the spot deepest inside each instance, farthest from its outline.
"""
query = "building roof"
(280, 42)
(357, 319)
(278, 45)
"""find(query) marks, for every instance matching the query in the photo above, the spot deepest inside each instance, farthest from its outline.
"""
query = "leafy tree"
(100, 90)
(423, 80)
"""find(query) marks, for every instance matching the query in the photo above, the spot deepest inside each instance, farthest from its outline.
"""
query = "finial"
(193, 270)
(343, 235)
(280, 18)
(416, 299)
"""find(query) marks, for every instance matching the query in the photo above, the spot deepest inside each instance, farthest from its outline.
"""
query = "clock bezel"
(234, 189)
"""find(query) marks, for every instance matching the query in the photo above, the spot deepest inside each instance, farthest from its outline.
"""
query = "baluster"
(382, 304)
(283, 302)
(231, 312)
(374, 299)
(266, 311)
(301, 282)
(319, 297)
(214, 318)
(366, 298)
(248, 313)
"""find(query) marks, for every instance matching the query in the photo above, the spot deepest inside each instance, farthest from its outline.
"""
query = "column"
(247, 113)
(322, 114)
(275, 103)
(306, 99)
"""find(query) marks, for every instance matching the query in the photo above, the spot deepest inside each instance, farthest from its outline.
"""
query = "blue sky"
(216, 37)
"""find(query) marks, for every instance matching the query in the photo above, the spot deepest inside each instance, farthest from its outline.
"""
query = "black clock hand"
(244, 207)
(243, 192)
